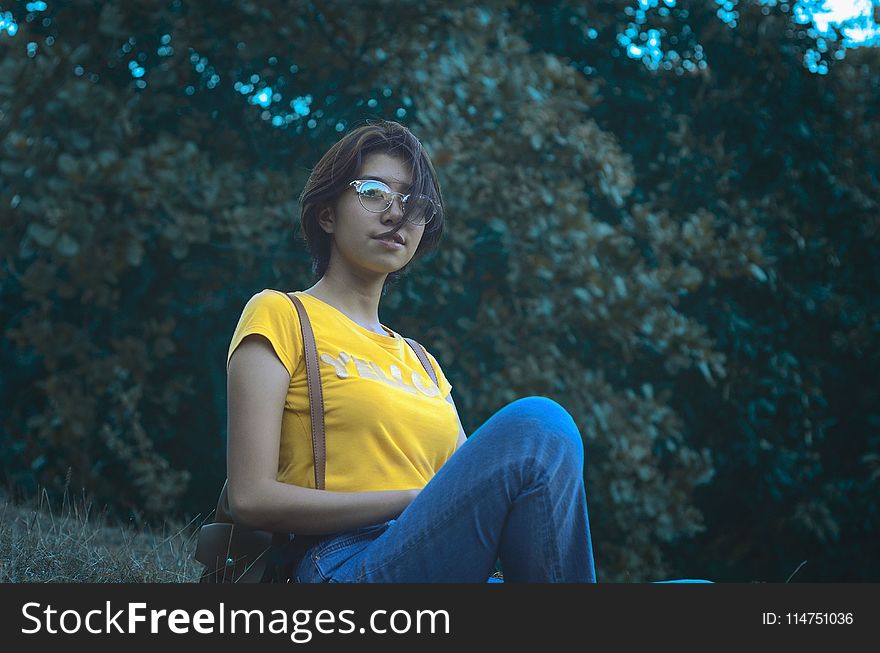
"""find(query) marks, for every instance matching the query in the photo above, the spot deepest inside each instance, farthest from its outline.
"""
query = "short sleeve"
(272, 315)
(443, 382)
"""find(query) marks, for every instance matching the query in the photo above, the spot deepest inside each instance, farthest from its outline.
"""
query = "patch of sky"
(262, 97)
(136, 69)
(813, 61)
(642, 45)
(301, 104)
(853, 17)
(200, 65)
(8, 24)
(646, 45)
(726, 12)
(801, 15)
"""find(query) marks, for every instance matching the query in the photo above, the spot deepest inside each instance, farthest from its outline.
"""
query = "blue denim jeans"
(514, 491)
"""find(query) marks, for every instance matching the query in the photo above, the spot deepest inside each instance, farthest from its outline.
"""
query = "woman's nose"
(396, 209)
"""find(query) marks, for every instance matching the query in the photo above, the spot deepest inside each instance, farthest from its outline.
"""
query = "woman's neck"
(361, 305)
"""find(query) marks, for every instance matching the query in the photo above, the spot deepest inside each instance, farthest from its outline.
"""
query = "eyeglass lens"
(377, 197)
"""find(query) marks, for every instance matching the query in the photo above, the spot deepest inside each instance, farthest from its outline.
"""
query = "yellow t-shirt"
(387, 426)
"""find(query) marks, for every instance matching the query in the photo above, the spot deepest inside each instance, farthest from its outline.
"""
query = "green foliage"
(686, 262)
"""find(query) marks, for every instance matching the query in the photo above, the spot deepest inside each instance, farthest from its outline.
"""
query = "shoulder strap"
(423, 357)
(316, 395)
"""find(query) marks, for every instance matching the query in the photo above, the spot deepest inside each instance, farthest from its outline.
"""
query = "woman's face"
(354, 229)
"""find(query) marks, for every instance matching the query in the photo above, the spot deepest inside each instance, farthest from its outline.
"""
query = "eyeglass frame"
(356, 184)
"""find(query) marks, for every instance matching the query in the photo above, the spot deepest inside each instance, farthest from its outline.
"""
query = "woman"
(408, 497)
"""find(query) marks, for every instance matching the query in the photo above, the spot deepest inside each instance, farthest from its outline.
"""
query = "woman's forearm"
(281, 507)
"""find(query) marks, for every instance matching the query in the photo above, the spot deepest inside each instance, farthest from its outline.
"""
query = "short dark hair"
(340, 166)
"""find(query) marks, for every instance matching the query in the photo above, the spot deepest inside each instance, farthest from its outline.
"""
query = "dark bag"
(233, 554)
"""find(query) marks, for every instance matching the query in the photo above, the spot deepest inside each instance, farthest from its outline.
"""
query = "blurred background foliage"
(663, 215)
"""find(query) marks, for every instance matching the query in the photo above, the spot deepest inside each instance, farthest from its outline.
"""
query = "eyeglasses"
(376, 197)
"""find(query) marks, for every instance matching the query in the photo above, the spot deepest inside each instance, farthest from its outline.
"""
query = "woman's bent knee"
(542, 423)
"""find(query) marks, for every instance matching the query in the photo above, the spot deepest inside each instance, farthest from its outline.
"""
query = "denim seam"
(335, 545)
(556, 571)
(314, 559)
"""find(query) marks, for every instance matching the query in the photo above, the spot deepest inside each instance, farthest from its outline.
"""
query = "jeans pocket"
(328, 556)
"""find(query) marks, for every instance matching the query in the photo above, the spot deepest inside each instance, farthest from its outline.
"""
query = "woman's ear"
(326, 219)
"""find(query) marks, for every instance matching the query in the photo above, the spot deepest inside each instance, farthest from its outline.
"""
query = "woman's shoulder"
(270, 314)
(271, 292)
(270, 297)
(270, 306)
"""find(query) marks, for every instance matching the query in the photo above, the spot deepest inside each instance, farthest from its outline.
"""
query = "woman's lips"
(391, 244)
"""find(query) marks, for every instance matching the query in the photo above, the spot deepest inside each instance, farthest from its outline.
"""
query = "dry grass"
(42, 543)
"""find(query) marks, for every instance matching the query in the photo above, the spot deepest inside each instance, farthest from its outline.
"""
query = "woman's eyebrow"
(385, 181)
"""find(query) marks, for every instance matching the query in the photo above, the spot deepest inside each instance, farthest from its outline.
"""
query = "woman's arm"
(257, 385)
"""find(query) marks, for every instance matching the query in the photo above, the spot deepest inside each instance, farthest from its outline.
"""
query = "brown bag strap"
(316, 395)
(423, 357)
